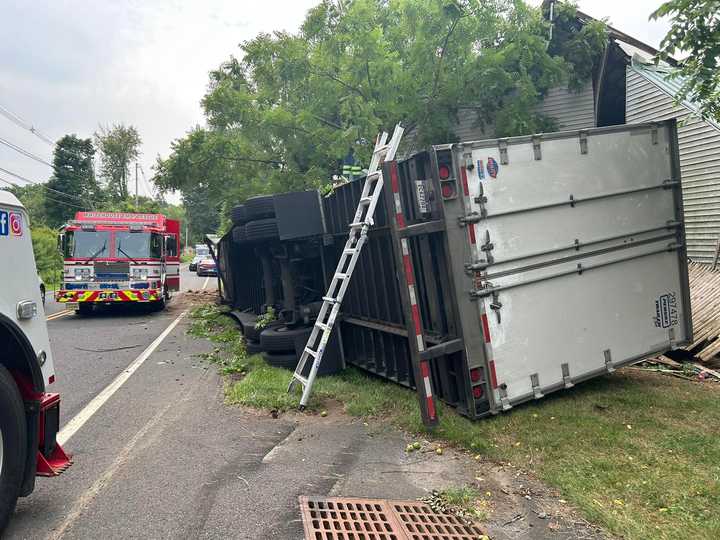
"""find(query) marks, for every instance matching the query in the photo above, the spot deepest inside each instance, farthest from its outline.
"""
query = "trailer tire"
(282, 338)
(262, 206)
(253, 347)
(238, 214)
(252, 333)
(13, 445)
(262, 229)
(284, 360)
(238, 234)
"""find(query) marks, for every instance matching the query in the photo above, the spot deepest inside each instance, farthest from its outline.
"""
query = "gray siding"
(570, 110)
(699, 161)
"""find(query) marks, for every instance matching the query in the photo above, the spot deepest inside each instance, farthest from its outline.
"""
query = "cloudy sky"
(69, 65)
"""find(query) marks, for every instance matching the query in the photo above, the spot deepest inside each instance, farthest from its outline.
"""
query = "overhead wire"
(41, 184)
(64, 203)
(25, 153)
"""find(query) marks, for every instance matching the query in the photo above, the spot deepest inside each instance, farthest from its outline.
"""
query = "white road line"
(207, 280)
(74, 425)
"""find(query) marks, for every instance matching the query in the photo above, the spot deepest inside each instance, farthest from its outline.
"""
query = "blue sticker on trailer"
(492, 167)
(4, 223)
(481, 169)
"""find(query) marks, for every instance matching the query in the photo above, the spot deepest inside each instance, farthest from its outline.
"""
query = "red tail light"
(475, 375)
(444, 172)
(477, 392)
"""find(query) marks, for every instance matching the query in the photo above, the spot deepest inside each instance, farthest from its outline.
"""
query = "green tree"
(119, 145)
(695, 30)
(47, 257)
(283, 116)
(33, 199)
(73, 185)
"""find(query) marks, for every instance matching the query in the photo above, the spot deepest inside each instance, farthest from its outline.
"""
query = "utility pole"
(136, 186)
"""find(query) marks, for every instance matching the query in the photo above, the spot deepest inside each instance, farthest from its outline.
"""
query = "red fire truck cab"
(114, 257)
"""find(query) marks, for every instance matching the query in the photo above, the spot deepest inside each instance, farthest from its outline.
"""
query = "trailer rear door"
(579, 252)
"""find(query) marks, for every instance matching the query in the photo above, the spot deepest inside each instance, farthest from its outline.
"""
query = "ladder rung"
(299, 378)
(381, 149)
(366, 200)
(341, 276)
(350, 251)
(331, 299)
(359, 224)
(311, 352)
(324, 327)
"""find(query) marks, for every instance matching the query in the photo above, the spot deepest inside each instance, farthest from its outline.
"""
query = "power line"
(18, 121)
(19, 177)
(64, 203)
(24, 152)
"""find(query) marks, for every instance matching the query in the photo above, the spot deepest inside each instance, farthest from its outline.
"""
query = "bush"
(47, 257)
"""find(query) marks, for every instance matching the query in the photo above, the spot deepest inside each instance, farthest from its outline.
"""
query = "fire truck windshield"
(138, 245)
(87, 244)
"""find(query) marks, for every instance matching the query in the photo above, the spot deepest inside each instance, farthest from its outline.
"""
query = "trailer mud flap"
(52, 460)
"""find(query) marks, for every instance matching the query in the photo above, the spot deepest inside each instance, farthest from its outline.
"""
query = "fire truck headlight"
(140, 273)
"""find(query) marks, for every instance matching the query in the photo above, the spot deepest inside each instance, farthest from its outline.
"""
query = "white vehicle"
(201, 252)
(29, 414)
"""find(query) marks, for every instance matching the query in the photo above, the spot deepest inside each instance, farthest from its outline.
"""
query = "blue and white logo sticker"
(492, 167)
(4, 223)
(481, 169)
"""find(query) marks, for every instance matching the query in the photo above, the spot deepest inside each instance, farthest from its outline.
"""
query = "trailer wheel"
(238, 214)
(252, 333)
(262, 206)
(13, 445)
(282, 338)
(253, 347)
(282, 360)
(262, 229)
(238, 234)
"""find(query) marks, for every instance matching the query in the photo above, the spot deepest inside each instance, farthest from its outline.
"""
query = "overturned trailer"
(537, 262)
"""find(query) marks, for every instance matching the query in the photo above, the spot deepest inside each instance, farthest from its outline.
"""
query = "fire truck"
(29, 414)
(119, 258)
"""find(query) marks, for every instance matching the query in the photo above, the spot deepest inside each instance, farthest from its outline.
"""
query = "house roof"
(661, 76)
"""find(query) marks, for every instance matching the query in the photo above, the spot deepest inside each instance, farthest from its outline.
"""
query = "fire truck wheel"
(282, 338)
(238, 214)
(259, 207)
(158, 305)
(261, 229)
(13, 442)
(282, 360)
(84, 310)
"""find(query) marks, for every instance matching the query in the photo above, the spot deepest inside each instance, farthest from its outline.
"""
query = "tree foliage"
(695, 30)
(119, 145)
(73, 185)
(282, 115)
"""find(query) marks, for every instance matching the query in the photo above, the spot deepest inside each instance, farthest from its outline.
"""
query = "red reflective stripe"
(93, 296)
(471, 232)
(400, 221)
(431, 407)
(408, 270)
(425, 369)
(485, 327)
(394, 177)
(416, 319)
(493, 375)
(51, 379)
(463, 176)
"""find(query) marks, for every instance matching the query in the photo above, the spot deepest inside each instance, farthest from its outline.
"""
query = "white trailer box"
(570, 260)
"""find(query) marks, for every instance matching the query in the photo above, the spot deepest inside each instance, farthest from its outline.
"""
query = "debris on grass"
(690, 371)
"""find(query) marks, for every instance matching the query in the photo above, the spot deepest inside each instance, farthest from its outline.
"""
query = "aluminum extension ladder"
(363, 220)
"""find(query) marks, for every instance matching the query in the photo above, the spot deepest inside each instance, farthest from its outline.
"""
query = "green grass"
(638, 453)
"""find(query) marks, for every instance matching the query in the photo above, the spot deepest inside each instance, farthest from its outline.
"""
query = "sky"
(68, 66)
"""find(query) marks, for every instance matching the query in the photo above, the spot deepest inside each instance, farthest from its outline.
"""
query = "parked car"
(201, 252)
(207, 267)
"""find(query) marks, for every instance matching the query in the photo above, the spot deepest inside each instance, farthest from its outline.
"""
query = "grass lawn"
(636, 452)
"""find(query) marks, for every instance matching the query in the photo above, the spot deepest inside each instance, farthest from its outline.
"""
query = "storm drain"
(338, 518)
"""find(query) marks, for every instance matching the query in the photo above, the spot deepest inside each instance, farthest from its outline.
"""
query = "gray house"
(628, 87)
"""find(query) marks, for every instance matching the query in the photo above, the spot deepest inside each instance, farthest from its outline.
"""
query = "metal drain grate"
(338, 518)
